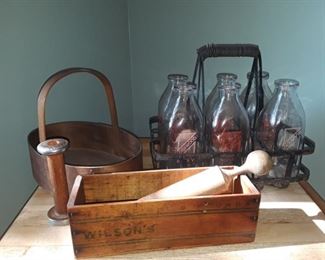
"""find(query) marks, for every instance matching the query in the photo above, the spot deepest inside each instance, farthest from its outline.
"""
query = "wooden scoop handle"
(214, 180)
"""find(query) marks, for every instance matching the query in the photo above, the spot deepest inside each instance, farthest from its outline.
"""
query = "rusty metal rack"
(295, 169)
(301, 172)
(161, 160)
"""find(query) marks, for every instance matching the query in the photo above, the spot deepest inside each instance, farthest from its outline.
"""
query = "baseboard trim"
(313, 194)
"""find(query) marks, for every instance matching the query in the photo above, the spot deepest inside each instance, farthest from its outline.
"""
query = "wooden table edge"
(313, 194)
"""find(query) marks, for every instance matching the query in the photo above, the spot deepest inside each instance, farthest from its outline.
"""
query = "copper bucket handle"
(50, 82)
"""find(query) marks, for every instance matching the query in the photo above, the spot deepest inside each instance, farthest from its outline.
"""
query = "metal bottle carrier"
(206, 159)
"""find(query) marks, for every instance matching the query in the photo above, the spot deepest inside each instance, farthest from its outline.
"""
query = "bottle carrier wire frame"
(206, 159)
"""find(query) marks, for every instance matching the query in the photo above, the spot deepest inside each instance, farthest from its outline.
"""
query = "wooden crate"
(106, 218)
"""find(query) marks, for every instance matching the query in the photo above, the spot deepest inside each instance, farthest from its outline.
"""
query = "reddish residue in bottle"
(228, 141)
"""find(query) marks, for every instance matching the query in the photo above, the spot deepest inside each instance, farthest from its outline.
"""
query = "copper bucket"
(93, 147)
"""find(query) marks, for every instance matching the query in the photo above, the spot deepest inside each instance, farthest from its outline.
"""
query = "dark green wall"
(38, 38)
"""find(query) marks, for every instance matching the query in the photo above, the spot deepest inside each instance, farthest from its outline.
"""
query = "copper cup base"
(56, 218)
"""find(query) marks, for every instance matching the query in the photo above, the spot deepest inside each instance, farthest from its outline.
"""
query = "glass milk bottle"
(281, 127)
(251, 100)
(173, 80)
(222, 79)
(183, 122)
(227, 126)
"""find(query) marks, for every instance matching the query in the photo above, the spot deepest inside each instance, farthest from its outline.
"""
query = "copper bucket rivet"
(53, 149)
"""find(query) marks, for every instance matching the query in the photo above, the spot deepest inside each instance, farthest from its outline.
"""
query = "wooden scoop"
(214, 180)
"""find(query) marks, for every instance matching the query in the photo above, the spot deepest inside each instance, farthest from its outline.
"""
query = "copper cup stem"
(53, 149)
